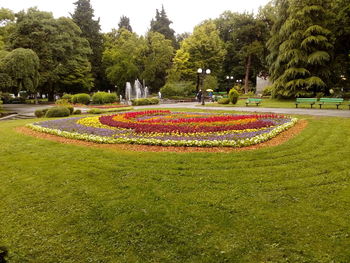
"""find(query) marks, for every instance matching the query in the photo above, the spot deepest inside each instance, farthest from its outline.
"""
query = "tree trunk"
(247, 69)
(51, 93)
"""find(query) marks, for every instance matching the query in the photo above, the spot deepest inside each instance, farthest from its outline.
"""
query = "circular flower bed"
(166, 128)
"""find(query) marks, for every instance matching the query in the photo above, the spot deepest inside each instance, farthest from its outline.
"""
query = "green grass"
(274, 103)
(68, 203)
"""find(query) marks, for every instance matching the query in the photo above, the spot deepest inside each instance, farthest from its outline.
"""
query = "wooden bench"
(336, 101)
(253, 101)
(310, 101)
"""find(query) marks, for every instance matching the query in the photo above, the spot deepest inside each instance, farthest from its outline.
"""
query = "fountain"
(138, 89)
(145, 93)
(136, 92)
(127, 92)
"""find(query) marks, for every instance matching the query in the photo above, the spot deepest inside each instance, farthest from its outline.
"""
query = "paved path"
(313, 112)
(28, 110)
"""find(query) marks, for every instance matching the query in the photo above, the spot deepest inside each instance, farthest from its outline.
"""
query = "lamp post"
(201, 76)
(229, 81)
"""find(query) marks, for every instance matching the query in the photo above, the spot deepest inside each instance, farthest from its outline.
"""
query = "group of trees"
(301, 44)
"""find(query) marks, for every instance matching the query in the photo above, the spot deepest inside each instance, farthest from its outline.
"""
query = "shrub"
(224, 101)
(57, 112)
(39, 113)
(233, 96)
(96, 111)
(67, 97)
(181, 88)
(346, 95)
(104, 98)
(77, 112)
(81, 98)
(62, 102)
(70, 108)
(139, 102)
(267, 91)
(154, 101)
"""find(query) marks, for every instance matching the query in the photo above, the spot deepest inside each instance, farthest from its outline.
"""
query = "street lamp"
(229, 81)
(201, 76)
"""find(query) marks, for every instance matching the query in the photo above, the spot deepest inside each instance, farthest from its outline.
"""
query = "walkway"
(27, 111)
(313, 112)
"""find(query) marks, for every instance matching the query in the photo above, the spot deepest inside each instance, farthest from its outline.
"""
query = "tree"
(124, 23)
(22, 68)
(203, 49)
(157, 59)
(341, 69)
(245, 37)
(301, 65)
(84, 17)
(161, 24)
(122, 58)
(7, 18)
(59, 46)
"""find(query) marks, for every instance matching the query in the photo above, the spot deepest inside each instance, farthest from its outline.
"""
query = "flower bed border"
(148, 141)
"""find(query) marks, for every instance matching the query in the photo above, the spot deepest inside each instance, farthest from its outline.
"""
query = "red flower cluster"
(144, 127)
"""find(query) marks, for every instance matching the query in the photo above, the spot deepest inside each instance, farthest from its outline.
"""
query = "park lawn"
(274, 103)
(69, 203)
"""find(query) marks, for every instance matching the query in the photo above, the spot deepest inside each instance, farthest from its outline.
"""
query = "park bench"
(253, 101)
(310, 101)
(336, 101)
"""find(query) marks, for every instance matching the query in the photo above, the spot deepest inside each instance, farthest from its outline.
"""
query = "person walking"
(199, 96)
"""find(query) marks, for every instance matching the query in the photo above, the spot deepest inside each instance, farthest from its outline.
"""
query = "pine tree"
(300, 66)
(84, 17)
(125, 23)
(161, 24)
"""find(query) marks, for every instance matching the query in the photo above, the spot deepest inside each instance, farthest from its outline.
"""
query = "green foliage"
(62, 102)
(7, 18)
(267, 91)
(301, 48)
(64, 65)
(245, 36)
(139, 102)
(161, 24)
(77, 112)
(157, 60)
(58, 111)
(122, 57)
(224, 101)
(67, 97)
(83, 16)
(210, 82)
(40, 112)
(233, 96)
(22, 68)
(181, 88)
(81, 98)
(100, 111)
(124, 23)
(104, 98)
(203, 49)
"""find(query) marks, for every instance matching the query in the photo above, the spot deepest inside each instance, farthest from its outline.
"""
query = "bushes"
(100, 111)
(104, 98)
(67, 97)
(77, 112)
(224, 101)
(233, 96)
(81, 98)
(181, 88)
(57, 112)
(139, 102)
(40, 113)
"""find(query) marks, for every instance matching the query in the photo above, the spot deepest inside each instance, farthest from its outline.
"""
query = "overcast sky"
(185, 14)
